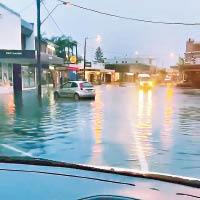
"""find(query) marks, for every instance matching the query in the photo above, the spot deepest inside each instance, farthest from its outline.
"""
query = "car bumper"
(87, 95)
(145, 86)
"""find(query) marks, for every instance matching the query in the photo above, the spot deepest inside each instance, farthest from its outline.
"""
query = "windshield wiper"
(154, 176)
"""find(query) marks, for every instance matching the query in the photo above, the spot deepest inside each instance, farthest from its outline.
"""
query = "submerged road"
(153, 130)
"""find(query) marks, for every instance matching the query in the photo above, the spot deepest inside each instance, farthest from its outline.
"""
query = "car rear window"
(86, 85)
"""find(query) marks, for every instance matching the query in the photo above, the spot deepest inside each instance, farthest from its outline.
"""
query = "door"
(108, 78)
(91, 77)
(74, 89)
(65, 90)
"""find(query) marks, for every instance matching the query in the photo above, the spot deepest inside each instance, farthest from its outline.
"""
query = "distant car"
(76, 90)
(144, 81)
(167, 80)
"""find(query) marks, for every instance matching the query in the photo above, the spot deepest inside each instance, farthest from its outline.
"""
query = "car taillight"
(81, 86)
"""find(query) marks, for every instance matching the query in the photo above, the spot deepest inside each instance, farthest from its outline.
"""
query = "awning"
(61, 68)
(190, 67)
(28, 57)
(73, 68)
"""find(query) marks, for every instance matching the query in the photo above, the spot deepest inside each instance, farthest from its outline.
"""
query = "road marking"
(141, 156)
(16, 150)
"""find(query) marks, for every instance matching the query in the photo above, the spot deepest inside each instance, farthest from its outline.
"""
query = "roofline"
(47, 41)
(10, 10)
(27, 24)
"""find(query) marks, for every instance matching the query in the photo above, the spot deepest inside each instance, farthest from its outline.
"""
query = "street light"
(39, 23)
(171, 55)
(98, 39)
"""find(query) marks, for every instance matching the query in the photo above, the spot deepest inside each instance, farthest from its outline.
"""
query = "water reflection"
(10, 105)
(143, 129)
(97, 129)
(18, 100)
(166, 137)
(114, 130)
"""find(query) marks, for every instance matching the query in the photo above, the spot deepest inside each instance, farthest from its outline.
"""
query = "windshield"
(144, 78)
(106, 117)
(86, 85)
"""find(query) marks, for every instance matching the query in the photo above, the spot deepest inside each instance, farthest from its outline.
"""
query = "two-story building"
(18, 53)
(189, 69)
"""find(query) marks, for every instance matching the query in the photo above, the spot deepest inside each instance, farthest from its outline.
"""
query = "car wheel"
(76, 97)
(56, 95)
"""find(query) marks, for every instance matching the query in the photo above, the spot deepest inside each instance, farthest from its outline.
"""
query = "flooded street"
(150, 130)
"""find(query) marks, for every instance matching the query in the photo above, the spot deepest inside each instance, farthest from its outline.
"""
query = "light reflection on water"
(143, 127)
(96, 157)
(140, 129)
(166, 137)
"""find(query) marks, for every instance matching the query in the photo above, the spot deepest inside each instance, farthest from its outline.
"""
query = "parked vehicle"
(76, 90)
(144, 81)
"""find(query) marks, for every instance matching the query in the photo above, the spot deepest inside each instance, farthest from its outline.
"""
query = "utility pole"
(85, 47)
(39, 49)
(76, 54)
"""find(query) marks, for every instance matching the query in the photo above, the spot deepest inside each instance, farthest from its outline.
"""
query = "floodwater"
(150, 130)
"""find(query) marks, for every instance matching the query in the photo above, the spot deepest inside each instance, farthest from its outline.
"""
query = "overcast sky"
(121, 37)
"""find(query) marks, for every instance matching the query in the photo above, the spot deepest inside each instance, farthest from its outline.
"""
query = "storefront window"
(28, 77)
(0, 75)
(6, 75)
(10, 74)
(47, 78)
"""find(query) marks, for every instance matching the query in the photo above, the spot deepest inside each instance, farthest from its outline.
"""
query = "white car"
(76, 90)
(144, 81)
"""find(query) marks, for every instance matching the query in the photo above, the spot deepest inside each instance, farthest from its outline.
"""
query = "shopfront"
(28, 77)
(68, 74)
(6, 77)
(18, 69)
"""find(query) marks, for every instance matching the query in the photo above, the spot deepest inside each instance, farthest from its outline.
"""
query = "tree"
(163, 73)
(99, 55)
(181, 61)
(64, 46)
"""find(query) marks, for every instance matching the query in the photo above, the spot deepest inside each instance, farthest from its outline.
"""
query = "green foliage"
(181, 61)
(99, 55)
(63, 44)
(80, 59)
(163, 73)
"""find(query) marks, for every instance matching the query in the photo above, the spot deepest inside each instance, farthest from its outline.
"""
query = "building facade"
(18, 59)
(189, 69)
(128, 72)
(11, 35)
(192, 54)
(97, 73)
(128, 60)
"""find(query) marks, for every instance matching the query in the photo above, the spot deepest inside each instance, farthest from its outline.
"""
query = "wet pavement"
(150, 130)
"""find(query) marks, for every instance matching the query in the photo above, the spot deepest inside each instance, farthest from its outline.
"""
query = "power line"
(129, 18)
(49, 13)
(79, 43)
(27, 7)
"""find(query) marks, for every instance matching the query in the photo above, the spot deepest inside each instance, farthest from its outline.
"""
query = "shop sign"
(73, 59)
(17, 54)
(88, 64)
